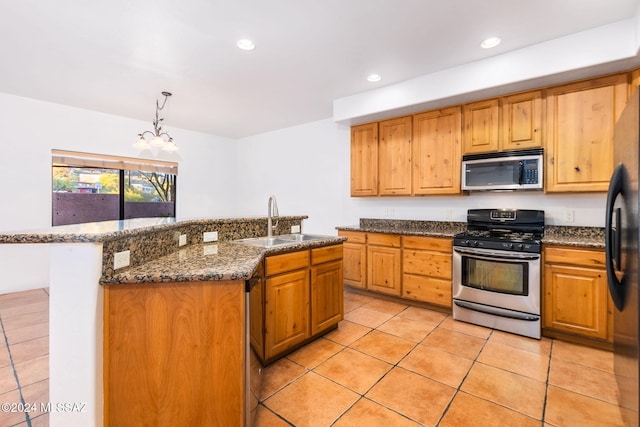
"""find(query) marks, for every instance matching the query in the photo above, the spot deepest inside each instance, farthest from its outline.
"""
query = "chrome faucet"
(272, 208)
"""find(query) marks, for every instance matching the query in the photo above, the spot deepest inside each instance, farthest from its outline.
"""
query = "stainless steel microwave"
(506, 170)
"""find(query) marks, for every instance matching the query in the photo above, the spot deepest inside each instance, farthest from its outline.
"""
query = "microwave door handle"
(520, 172)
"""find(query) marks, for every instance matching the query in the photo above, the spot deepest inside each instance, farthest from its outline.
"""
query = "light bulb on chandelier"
(159, 139)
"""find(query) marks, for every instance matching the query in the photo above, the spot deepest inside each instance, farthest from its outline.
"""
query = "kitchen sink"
(265, 242)
(286, 239)
(301, 237)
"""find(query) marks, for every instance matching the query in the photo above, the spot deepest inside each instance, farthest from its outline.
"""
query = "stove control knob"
(520, 246)
(510, 245)
(475, 243)
(466, 243)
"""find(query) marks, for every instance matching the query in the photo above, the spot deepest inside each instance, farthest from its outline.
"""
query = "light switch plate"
(209, 236)
(121, 259)
(182, 240)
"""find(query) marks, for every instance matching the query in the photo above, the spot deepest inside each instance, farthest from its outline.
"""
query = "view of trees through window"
(89, 194)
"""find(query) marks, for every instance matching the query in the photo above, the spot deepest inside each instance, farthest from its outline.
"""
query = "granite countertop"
(209, 261)
(587, 237)
(408, 227)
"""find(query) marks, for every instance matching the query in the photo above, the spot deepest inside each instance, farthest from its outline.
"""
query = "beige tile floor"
(392, 364)
(388, 364)
(24, 358)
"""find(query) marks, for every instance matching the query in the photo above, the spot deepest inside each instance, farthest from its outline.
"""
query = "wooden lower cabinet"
(384, 263)
(174, 354)
(355, 258)
(327, 293)
(303, 298)
(286, 311)
(576, 297)
(426, 269)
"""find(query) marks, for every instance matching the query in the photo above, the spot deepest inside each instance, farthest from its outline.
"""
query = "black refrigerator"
(621, 238)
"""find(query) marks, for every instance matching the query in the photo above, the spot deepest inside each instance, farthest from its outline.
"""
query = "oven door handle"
(491, 255)
(497, 311)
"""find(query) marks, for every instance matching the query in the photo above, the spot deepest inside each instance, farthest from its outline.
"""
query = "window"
(93, 187)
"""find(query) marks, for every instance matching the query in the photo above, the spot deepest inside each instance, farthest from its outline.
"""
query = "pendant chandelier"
(156, 138)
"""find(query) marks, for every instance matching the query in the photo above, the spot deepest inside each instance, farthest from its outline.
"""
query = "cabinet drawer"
(276, 264)
(383, 240)
(426, 263)
(427, 289)
(429, 243)
(327, 253)
(354, 236)
(589, 258)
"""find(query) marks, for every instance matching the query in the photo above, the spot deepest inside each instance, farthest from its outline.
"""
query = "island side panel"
(75, 335)
(174, 354)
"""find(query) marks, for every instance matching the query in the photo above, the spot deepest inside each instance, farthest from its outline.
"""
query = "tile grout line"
(15, 373)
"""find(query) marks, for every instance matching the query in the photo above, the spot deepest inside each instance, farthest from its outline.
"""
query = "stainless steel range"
(496, 270)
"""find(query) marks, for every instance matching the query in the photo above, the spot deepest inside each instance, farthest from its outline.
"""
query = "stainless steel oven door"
(503, 279)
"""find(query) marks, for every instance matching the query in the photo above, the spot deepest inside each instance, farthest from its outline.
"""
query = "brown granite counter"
(587, 237)
(407, 227)
(209, 261)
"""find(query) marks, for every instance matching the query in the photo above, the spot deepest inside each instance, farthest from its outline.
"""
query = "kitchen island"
(199, 285)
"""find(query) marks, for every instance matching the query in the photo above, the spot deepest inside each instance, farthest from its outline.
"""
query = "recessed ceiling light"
(374, 77)
(490, 42)
(245, 44)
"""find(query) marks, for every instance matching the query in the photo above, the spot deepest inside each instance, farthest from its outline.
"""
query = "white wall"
(307, 168)
(30, 129)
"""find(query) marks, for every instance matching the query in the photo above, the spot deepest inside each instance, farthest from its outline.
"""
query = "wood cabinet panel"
(276, 264)
(437, 151)
(481, 121)
(163, 345)
(427, 263)
(364, 160)
(575, 293)
(286, 311)
(576, 300)
(391, 240)
(325, 254)
(521, 124)
(353, 236)
(427, 289)
(354, 258)
(438, 244)
(327, 305)
(394, 156)
(580, 122)
(426, 269)
(355, 264)
(384, 269)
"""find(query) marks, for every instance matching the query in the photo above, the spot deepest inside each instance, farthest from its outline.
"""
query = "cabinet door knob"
(577, 169)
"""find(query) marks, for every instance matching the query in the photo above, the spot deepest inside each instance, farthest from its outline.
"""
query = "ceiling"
(117, 56)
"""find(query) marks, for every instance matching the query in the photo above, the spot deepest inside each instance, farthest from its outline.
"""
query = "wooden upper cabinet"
(521, 121)
(436, 151)
(580, 122)
(394, 157)
(481, 126)
(364, 160)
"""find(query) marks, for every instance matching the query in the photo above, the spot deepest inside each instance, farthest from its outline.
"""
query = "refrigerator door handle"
(612, 233)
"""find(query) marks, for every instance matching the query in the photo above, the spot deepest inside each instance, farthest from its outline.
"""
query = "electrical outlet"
(121, 259)
(295, 228)
(209, 236)
(448, 214)
(210, 249)
(388, 212)
(569, 215)
(182, 240)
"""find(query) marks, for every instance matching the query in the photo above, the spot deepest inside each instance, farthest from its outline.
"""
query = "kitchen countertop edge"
(208, 262)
